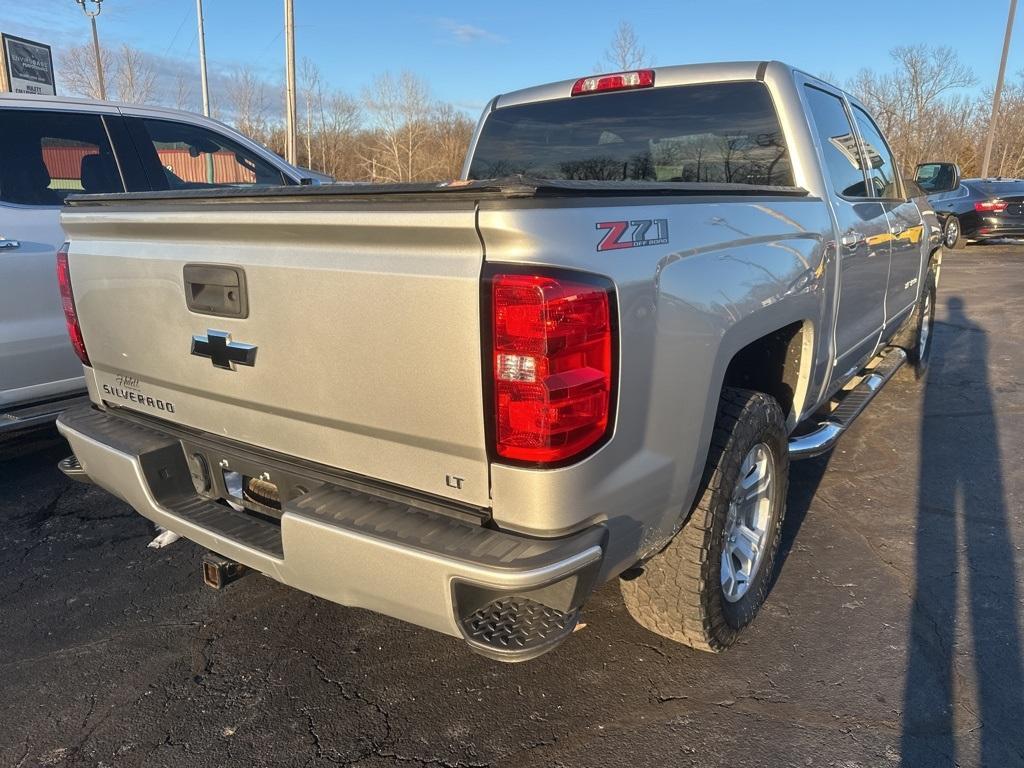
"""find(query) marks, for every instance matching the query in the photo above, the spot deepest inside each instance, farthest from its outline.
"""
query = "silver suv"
(52, 147)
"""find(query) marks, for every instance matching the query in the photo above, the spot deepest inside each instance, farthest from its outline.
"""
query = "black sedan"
(972, 210)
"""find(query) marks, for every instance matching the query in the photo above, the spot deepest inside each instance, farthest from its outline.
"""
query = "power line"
(174, 39)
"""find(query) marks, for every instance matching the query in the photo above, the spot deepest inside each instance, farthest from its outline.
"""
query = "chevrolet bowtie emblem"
(225, 353)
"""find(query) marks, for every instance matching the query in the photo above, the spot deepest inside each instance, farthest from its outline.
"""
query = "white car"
(51, 147)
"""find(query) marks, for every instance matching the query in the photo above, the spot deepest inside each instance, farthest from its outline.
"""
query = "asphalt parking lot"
(892, 635)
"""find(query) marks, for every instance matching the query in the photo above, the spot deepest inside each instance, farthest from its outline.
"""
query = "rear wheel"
(712, 578)
(951, 235)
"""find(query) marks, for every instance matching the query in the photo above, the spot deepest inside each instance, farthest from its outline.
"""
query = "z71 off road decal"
(632, 234)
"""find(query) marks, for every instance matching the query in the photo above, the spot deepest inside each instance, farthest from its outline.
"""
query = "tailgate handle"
(212, 289)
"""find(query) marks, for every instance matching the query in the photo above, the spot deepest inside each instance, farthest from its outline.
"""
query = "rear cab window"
(722, 133)
(179, 155)
(47, 155)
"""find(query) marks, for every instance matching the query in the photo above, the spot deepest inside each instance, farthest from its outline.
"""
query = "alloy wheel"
(748, 521)
(952, 232)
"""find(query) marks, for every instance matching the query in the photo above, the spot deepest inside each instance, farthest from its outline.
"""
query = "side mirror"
(938, 177)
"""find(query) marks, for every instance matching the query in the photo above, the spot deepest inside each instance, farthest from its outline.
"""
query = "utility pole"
(998, 91)
(202, 59)
(210, 172)
(95, 42)
(291, 143)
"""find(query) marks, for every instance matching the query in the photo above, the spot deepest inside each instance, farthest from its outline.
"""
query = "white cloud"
(464, 33)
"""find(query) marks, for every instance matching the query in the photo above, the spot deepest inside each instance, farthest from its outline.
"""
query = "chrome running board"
(851, 403)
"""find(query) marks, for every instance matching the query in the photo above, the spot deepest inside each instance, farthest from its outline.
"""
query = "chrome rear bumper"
(357, 549)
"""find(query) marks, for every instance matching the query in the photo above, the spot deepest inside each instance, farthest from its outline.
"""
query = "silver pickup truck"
(464, 405)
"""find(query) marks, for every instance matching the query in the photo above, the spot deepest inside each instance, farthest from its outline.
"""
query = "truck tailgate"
(366, 328)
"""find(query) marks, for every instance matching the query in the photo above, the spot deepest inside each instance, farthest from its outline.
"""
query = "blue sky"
(468, 51)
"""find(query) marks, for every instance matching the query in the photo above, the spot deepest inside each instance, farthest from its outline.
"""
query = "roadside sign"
(26, 66)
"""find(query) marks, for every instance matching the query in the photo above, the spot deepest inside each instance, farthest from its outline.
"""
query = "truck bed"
(364, 306)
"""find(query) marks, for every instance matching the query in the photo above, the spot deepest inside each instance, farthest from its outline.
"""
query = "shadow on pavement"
(24, 449)
(964, 552)
(804, 478)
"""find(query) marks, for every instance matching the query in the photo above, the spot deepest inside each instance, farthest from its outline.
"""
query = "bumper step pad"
(72, 469)
(515, 628)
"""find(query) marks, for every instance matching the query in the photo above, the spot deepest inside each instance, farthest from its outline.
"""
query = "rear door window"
(881, 167)
(838, 143)
(46, 156)
(723, 133)
(180, 155)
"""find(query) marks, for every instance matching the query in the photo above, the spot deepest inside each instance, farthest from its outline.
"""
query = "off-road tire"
(912, 339)
(678, 593)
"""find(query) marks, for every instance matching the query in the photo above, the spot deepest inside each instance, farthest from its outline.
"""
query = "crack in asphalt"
(437, 761)
(24, 755)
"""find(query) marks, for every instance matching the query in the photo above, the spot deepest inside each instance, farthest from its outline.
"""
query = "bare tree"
(134, 76)
(452, 131)
(183, 95)
(339, 127)
(401, 108)
(1008, 147)
(312, 98)
(625, 51)
(78, 69)
(247, 104)
(915, 101)
(130, 73)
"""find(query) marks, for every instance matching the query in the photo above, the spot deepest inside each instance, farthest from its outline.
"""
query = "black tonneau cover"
(513, 187)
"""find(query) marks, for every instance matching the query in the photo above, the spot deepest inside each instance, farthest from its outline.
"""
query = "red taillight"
(619, 81)
(551, 359)
(67, 300)
(990, 206)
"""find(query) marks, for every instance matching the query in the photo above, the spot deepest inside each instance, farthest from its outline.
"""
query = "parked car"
(973, 210)
(466, 404)
(51, 147)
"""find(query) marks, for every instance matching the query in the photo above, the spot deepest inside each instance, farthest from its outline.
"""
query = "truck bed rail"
(513, 187)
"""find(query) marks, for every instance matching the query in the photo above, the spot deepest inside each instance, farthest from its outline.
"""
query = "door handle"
(897, 229)
(212, 289)
(851, 241)
(11, 244)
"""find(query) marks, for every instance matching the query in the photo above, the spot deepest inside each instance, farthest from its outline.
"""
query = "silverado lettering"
(133, 396)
